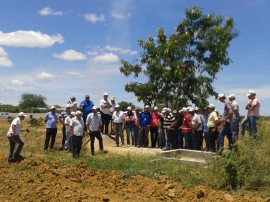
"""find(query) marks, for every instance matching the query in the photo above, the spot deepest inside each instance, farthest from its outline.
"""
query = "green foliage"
(124, 105)
(182, 67)
(9, 108)
(32, 101)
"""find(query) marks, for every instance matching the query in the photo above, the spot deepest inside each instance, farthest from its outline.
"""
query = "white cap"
(231, 96)
(251, 92)
(211, 106)
(112, 98)
(221, 95)
(117, 106)
(129, 108)
(105, 93)
(184, 109)
(155, 108)
(180, 111)
(94, 107)
(137, 108)
(191, 109)
(78, 112)
(165, 109)
(147, 106)
(68, 106)
(22, 114)
(73, 113)
(196, 109)
(53, 107)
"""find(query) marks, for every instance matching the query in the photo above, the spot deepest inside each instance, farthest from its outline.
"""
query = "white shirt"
(77, 126)
(18, 127)
(105, 110)
(196, 121)
(94, 121)
(67, 124)
(234, 107)
(118, 117)
(73, 106)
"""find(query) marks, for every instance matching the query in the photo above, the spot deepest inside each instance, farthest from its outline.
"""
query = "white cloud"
(17, 83)
(29, 38)
(70, 55)
(106, 58)
(92, 17)
(73, 73)
(49, 11)
(92, 53)
(119, 15)
(120, 50)
(45, 76)
(4, 60)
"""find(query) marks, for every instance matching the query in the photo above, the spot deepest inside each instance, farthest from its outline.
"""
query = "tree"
(182, 67)
(32, 101)
(124, 105)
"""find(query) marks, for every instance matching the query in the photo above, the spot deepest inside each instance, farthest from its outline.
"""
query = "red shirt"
(155, 119)
(186, 124)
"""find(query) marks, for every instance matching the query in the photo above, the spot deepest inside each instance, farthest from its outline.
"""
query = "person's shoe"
(12, 160)
(104, 151)
(61, 148)
(117, 145)
(165, 149)
(123, 145)
(19, 158)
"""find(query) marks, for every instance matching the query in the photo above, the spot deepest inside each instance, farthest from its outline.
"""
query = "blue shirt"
(87, 107)
(51, 120)
(145, 118)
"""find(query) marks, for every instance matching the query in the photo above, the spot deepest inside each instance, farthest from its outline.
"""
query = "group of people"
(169, 129)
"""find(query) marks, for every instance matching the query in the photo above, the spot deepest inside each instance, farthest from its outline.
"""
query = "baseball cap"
(251, 92)
(87, 96)
(22, 114)
(184, 109)
(78, 112)
(196, 109)
(105, 93)
(191, 109)
(52, 107)
(221, 95)
(165, 109)
(117, 106)
(137, 108)
(147, 106)
(72, 97)
(68, 106)
(231, 96)
(155, 108)
(112, 98)
(73, 113)
(211, 106)
(94, 107)
(129, 108)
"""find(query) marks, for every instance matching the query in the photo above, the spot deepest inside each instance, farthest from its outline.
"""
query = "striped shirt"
(168, 120)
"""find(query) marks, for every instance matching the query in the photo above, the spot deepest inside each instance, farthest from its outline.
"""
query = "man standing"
(68, 141)
(198, 131)
(113, 103)
(154, 127)
(73, 104)
(253, 112)
(13, 136)
(76, 132)
(235, 117)
(212, 124)
(118, 125)
(51, 120)
(226, 122)
(62, 118)
(105, 106)
(145, 119)
(93, 124)
(168, 128)
(86, 106)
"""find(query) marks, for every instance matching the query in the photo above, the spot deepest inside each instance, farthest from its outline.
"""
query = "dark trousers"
(143, 136)
(50, 134)
(64, 135)
(93, 135)
(77, 145)
(106, 118)
(154, 135)
(213, 137)
(12, 142)
(198, 140)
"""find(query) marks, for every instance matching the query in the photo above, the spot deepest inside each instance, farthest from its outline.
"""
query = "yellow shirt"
(212, 120)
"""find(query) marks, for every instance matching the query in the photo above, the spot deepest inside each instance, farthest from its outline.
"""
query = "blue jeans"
(67, 141)
(188, 140)
(136, 135)
(234, 129)
(244, 122)
(130, 132)
(12, 142)
(225, 130)
(168, 138)
(118, 132)
(253, 123)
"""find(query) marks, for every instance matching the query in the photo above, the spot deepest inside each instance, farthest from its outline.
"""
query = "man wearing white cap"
(93, 124)
(86, 106)
(235, 118)
(76, 132)
(105, 106)
(62, 117)
(51, 120)
(212, 124)
(145, 118)
(68, 141)
(73, 104)
(118, 125)
(226, 122)
(253, 112)
(13, 136)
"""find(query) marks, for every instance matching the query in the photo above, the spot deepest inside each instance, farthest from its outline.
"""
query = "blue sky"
(70, 48)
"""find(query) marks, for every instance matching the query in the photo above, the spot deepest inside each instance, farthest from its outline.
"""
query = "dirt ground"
(34, 179)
